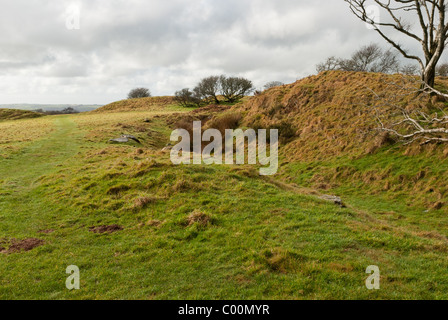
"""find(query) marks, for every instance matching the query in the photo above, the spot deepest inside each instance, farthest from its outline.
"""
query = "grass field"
(196, 232)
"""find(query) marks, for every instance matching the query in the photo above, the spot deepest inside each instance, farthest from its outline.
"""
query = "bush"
(235, 88)
(139, 93)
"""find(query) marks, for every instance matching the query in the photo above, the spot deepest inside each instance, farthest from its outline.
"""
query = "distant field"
(50, 107)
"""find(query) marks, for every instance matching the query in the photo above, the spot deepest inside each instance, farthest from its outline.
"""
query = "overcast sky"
(164, 45)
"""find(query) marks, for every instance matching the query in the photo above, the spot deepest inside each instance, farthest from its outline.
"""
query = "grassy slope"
(264, 239)
(17, 134)
(13, 114)
(140, 104)
(335, 147)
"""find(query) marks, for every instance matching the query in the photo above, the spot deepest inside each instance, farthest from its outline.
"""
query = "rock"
(125, 138)
(335, 199)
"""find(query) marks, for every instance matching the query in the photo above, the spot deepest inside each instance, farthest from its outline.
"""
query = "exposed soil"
(16, 245)
(106, 229)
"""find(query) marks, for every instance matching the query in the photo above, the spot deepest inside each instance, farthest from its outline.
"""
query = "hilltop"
(13, 114)
(50, 107)
(140, 104)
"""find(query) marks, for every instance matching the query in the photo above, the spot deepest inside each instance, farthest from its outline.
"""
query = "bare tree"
(188, 98)
(273, 84)
(431, 19)
(410, 69)
(209, 88)
(139, 93)
(370, 58)
(406, 120)
(332, 63)
(442, 70)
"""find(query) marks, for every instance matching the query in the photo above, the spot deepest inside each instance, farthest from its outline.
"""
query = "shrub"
(235, 88)
(139, 93)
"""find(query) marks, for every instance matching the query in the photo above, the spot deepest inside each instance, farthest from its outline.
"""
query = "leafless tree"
(430, 15)
(209, 88)
(370, 58)
(273, 84)
(399, 111)
(410, 69)
(188, 98)
(332, 63)
(442, 70)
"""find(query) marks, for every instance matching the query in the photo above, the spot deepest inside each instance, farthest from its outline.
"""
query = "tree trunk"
(429, 76)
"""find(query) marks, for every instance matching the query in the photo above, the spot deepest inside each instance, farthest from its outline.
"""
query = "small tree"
(370, 58)
(209, 88)
(442, 70)
(188, 98)
(410, 70)
(273, 84)
(69, 110)
(235, 88)
(139, 93)
(332, 63)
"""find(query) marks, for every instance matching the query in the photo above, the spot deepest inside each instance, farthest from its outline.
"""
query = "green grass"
(258, 240)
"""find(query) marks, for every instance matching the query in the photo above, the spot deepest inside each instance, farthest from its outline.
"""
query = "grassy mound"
(13, 114)
(141, 104)
(330, 141)
(328, 115)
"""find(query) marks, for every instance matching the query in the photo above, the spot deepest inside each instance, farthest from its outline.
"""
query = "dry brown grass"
(14, 135)
(198, 217)
(144, 201)
(229, 120)
(329, 113)
(141, 104)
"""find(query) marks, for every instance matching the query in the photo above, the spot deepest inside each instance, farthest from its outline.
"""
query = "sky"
(96, 51)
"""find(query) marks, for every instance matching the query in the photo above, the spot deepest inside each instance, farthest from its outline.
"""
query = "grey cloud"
(164, 45)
